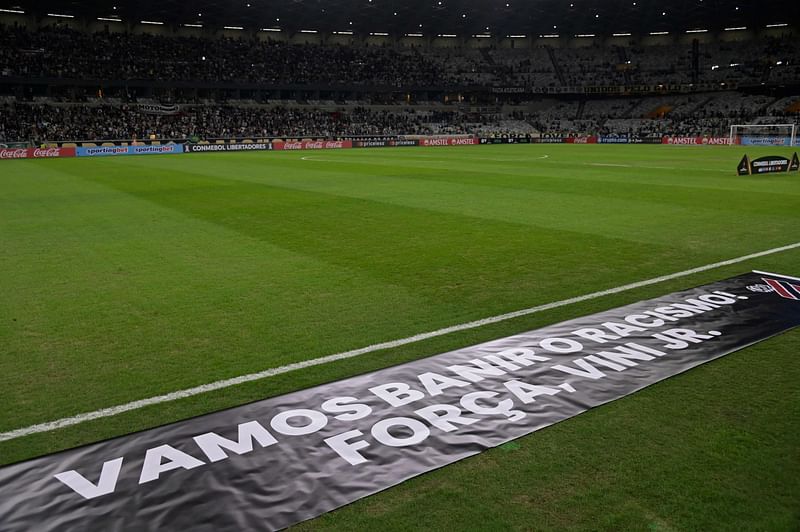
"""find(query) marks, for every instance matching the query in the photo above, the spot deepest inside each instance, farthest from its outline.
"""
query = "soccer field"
(132, 277)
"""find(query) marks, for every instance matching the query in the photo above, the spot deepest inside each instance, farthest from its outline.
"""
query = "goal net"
(764, 134)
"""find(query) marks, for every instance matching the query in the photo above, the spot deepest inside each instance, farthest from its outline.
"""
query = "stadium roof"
(434, 17)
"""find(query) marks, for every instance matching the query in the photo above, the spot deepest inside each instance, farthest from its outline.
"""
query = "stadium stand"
(57, 81)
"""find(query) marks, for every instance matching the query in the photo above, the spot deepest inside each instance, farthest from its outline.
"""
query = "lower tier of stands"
(679, 115)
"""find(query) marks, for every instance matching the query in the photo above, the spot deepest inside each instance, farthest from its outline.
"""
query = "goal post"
(764, 134)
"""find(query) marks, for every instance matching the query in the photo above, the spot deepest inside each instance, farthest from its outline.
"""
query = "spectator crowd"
(708, 114)
(66, 54)
(55, 52)
(44, 122)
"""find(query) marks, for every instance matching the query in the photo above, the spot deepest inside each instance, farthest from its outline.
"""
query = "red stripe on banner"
(779, 288)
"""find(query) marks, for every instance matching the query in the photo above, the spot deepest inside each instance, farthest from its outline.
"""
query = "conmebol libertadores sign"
(269, 464)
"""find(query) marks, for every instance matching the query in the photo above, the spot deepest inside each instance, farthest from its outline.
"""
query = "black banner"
(743, 167)
(628, 140)
(505, 140)
(249, 146)
(508, 90)
(646, 140)
(158, 109)
(767, 165)
(272, 463)
(770, 164)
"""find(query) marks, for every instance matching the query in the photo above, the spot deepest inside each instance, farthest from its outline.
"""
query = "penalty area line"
(226, 383)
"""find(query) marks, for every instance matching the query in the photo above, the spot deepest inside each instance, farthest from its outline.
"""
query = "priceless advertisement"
(384, 143)
(36, 153)
(110, 151)
(273, 463)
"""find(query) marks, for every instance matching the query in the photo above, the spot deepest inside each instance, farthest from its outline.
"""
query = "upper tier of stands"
(64, 53)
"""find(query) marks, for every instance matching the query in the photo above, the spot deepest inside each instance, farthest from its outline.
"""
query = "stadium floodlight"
(192, 25)
(152, 22)
(482, 36)
(585, 35)
(334, 32)
(106, 19)
(17, 11)
(232, 28)
(736, 28)
(623, 34)
(59, 15)
(308, 31)
(659, 33)
(413, 35)
(764, 134)
(270, 29)
(447, 35)
(696, 31)
(379, 33)
(549, 36)
(517, 36)
(779, 25)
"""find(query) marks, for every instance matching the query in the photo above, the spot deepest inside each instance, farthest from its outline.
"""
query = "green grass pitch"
(126, 278)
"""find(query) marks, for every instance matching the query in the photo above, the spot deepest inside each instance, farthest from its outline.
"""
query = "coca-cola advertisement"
(450, 141)
(35, 153)
(312, 145)
(581, 140)
(13, 153)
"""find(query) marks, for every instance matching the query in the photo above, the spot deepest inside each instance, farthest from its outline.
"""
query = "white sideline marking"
(218, 385)
(654, 167)
(418, 156)
(777, 275)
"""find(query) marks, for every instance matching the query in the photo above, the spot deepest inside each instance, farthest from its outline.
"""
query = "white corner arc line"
(226, 383)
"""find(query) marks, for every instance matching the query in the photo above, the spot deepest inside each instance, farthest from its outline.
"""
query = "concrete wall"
(306, 38)
(446, 42)
(267, 36)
